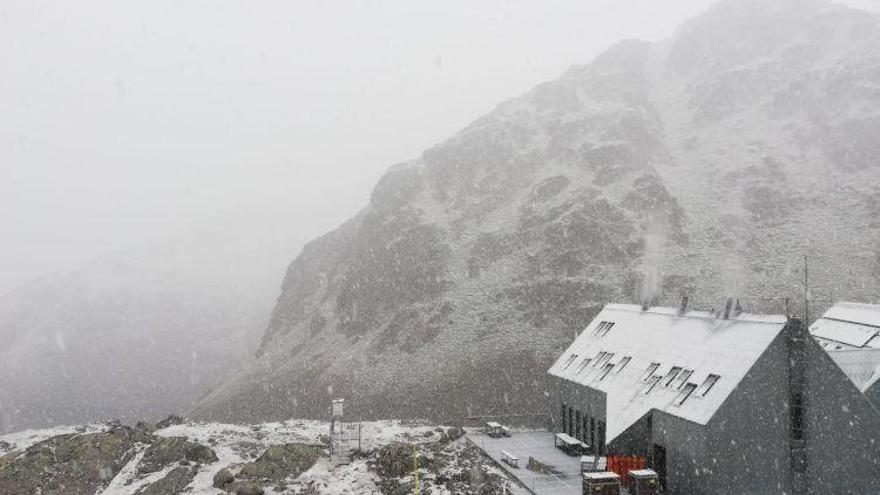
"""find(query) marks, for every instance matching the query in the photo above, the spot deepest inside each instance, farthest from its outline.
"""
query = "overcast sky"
(122, 122)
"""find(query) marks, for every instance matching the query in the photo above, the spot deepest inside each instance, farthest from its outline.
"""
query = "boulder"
(281, 462)
(171, 450)
(174, 482)
(170, 420)
(70, 464)
(247, 488)
(223, 478)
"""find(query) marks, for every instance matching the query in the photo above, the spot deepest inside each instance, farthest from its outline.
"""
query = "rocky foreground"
(291, 457)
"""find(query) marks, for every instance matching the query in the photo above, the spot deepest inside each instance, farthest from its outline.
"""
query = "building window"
(707, 385)
(682, 378)
(583, 365)
(604, 359)
(607, 369)
(603, 328)
(570, 360)
(652, 382)
(593, 432)
(601, 437)
(585, 429)
(622, 364)
(577, 424)
(667, 380)
(685, 393)
(650, 371)
(564, 419)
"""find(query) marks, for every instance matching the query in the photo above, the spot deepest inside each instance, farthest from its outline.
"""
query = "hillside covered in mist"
(706, 164)
(142, 333)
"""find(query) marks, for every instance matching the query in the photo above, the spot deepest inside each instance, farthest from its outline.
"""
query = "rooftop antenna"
(806, 294)
(727, 307)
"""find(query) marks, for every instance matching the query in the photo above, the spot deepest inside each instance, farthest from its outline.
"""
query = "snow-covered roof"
(718, 352)
(850, 333)
(862, 366)
(848, 325)
(865, 314)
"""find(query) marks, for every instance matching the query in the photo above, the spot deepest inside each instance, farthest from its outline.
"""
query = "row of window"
(581, 426)
(602, 361)
(677, 379)
(603, 328)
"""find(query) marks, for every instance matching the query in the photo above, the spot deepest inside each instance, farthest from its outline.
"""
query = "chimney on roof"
(738, 309)
(728, 307)
(684, 305)
(648, 303)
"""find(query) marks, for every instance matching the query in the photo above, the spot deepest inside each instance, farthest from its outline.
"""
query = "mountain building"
(717, 402)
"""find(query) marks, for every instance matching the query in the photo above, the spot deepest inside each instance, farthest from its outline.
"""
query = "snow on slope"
(236, 444)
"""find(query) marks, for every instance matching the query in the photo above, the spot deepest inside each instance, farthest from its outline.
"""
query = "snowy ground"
(21, 440)
(236, 444)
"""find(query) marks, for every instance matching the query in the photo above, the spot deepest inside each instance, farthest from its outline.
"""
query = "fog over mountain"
(141, 333)
(708, 163)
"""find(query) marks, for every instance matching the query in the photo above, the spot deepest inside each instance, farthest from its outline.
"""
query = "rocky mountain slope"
(708, 164)
(141, 333)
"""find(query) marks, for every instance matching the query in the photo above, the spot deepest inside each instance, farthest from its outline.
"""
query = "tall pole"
(415, 471)
(806, 294)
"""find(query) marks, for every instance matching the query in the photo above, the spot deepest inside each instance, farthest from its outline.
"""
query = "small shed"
(643, 482)
(601, 483)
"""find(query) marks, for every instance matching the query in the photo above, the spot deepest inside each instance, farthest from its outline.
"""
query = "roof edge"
(670, 311)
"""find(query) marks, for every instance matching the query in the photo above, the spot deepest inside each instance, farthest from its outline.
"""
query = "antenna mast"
(806, 294)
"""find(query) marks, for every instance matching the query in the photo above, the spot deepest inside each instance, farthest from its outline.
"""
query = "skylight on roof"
(622, 364)
(671, 375)
(603, 328)
(685, 393)
(570, 360)
(650, 371)
(604, 359)
(583, 365)
(607, 369)
(707, 385)
(682, 378)
(652, 382)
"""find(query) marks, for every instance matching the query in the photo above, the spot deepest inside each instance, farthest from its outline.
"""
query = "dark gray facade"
(746, 447)
(844, 431)
(873, 394)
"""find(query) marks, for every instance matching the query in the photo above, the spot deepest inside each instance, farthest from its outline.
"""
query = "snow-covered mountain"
(708, 163)
(140, 333)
